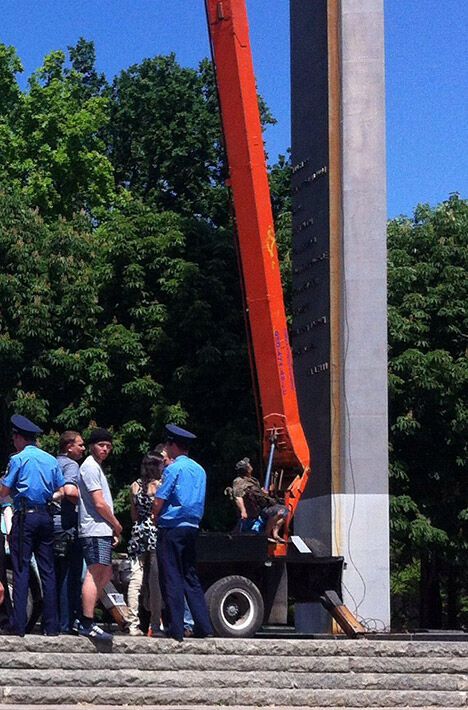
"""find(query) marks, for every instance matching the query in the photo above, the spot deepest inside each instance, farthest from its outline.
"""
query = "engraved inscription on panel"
(310, 331)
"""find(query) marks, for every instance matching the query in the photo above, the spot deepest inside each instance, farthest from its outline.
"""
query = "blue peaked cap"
(175, 433)
(24, 426)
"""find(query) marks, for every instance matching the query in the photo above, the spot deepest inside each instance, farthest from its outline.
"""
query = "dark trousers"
(38, 539)
(6, 608)
(178, 578)
(68, 573)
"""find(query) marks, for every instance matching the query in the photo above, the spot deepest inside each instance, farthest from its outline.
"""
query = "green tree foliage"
(128, 325)
(428, 410)
(165, 136)
(120, 300)
(51, 143)
(64, 360)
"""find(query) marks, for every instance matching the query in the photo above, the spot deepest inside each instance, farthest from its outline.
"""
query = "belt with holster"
(32, 508)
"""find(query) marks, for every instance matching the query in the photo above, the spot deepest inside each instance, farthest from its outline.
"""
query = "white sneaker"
(135, 631)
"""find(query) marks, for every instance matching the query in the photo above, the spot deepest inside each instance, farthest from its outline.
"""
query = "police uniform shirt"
(183, 491)
(33, 475)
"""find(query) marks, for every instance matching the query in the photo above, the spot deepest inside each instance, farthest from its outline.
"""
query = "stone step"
(85, 706)
(207, 697)
(231, 673)
(197, 661)
(271, 648)
(208, 679)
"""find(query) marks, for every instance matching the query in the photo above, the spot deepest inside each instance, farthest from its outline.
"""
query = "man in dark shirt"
(67, 548)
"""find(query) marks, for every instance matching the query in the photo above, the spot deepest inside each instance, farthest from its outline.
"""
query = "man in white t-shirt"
(98, 530)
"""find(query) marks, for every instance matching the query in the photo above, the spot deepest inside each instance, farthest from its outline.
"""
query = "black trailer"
(246, 586)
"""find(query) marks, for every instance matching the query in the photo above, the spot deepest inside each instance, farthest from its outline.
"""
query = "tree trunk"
(453, 592)
(430, 602)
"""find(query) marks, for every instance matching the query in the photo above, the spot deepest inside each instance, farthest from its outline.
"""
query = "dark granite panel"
(311, 266)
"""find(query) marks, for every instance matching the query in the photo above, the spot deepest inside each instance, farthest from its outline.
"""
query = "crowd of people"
(61, 514)
(58, 513)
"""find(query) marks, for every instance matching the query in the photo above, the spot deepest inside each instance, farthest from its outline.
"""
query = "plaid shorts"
(272, 510)
(97, 550)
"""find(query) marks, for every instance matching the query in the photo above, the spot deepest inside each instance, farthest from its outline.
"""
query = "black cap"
(243, 464)
(179, 435)
(99, 435)
(24, 426)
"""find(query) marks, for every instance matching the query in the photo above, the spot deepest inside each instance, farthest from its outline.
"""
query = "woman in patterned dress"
(144, 577)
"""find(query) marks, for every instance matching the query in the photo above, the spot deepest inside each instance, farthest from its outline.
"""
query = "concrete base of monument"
(356, 527)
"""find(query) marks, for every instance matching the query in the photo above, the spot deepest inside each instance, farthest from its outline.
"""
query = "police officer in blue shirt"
(178, 508)
(32, 477)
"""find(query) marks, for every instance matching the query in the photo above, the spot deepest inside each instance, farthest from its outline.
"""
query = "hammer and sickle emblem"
(270, 244)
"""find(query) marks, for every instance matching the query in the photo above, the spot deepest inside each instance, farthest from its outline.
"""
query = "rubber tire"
(245, 596)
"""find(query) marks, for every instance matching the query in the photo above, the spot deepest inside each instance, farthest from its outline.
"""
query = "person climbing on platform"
(259, 511)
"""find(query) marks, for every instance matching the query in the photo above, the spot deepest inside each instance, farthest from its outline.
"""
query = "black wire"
(345, 356)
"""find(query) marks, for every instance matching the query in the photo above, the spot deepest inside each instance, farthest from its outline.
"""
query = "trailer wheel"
(235, 606)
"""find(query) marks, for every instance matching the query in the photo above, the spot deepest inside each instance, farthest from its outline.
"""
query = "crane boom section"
(229, 34)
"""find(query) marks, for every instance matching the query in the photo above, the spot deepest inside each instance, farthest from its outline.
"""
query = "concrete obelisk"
(339, 286)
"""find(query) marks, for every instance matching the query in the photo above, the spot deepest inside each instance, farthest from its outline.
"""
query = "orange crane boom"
(248, 179)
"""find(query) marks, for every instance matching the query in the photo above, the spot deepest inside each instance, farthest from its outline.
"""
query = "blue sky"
(426, 70)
